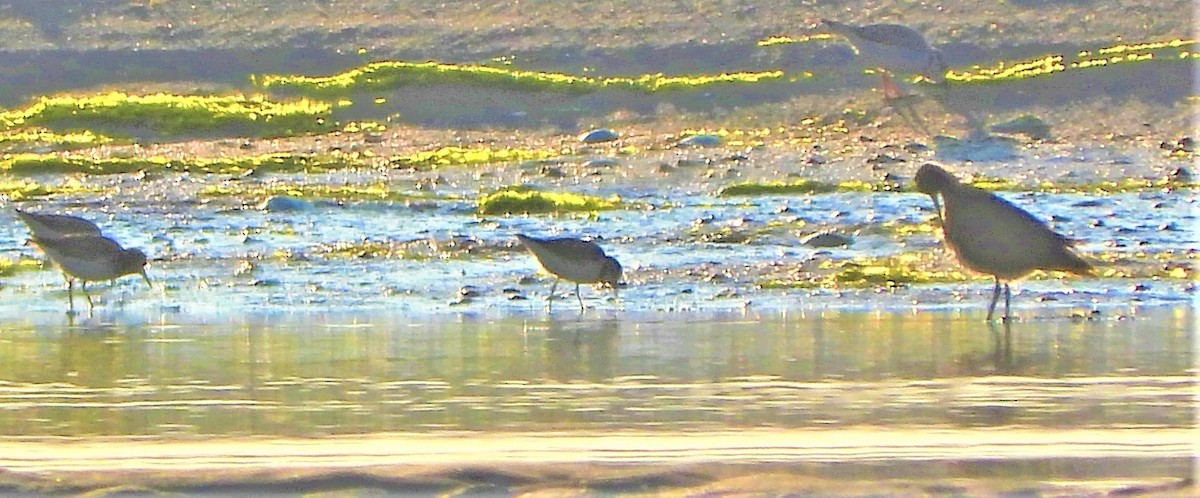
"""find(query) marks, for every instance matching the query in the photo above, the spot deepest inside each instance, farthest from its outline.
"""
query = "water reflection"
(581, 350)
(312, 375)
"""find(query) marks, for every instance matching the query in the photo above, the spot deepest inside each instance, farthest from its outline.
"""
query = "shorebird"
(56, 226)
(892, 48)
(91, 258)
(578, 261)
(990, 235)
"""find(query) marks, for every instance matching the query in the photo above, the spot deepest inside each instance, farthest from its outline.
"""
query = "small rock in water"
(283, 203)
(982, 149)
(601, 162)
(1181, 175)
(466, 294)
(1088, 203)
(1028, 125)
(884, 159)
(826, 239)
(599, 136)
(700, 141)
(1185, 144)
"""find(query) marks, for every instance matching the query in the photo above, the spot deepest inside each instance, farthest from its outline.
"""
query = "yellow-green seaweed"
(53, 163)
(1165, 50)
(17, 190)
(777, 188)
(385, 75)
(42, 137)
(174, 115)
(523, 201)
(369, 192)
(9, 267)
(467, 156)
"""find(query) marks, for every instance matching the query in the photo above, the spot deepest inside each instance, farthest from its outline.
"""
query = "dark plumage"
(990, 235)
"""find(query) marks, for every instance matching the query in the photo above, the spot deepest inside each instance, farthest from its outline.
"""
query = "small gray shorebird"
(90, 258)
(576, 260)
(992, 236)
(892, 48)
(56, 226)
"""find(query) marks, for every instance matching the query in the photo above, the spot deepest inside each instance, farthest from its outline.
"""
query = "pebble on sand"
(599, 136)
(284, 204)
(826, 239)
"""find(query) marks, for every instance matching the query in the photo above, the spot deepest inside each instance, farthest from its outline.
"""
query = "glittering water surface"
(890, 396)
(318, 375)
(236, 261)
(290, 341)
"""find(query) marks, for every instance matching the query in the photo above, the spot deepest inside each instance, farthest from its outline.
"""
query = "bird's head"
(134, 261)
(932, 179)
(936, 68)
(611, 273)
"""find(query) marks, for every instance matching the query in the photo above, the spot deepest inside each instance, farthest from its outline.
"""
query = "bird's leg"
(83, 285)
(995, 297)
(1007, 303)
(70, 294)
(579, 297)
(550, 298)
(890, 90)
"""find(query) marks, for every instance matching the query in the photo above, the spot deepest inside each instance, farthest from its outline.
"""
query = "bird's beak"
(937, 207)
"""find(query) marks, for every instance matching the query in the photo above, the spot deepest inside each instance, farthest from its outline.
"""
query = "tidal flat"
(339, 303)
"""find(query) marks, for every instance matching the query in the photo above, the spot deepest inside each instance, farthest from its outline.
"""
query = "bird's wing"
(575, 246)
(893, 35)
(995, 236)
(80, 247)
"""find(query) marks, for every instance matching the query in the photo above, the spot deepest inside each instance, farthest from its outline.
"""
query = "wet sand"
(847, 462)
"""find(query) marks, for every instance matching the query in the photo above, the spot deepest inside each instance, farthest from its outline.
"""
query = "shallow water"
(305, 375)
(267, 350)
(930, 397)
(224, 261)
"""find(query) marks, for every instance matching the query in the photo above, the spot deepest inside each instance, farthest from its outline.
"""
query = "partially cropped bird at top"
(576, 260)
(892, 49)
(992, 236)
(56, 226)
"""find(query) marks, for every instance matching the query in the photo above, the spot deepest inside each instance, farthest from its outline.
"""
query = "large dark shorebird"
(91, 258)
(578, 261)
(892, 49)
(990, 235)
